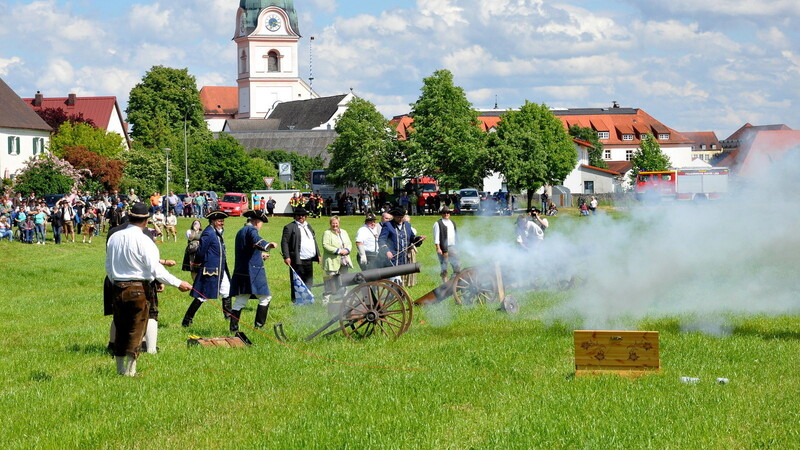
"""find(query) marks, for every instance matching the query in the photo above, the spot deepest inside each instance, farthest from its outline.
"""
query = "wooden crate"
(230, 342)
(623, 352)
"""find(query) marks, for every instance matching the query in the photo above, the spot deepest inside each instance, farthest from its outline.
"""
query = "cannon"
(373, 306)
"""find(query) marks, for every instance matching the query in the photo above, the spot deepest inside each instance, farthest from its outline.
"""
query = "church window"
(273, 62)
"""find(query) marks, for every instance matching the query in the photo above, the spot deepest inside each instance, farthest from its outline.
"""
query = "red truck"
(683, 184)
(233, 203)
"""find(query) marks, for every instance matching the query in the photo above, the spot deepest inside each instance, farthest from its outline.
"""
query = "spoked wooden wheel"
(380, 308)
(470, 287)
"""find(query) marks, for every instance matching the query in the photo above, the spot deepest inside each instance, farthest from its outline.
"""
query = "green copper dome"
(254, 7)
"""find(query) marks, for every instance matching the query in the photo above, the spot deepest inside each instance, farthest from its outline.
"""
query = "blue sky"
(693, 64)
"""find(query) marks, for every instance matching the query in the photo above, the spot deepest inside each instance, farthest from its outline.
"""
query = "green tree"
(47, 174)
(145, 170)
(364, 151)
(164, 99)
(103, 173)
(532, 148)
(648, 157)
(589, 135)
(95, 140)
(229, 168)
(446, 141)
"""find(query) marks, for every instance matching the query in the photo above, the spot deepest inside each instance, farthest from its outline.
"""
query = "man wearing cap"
(396, 237)
(132, 264)
(367, 243)
(249, 277)
(213, 278)
(444, 237)
(299, 248)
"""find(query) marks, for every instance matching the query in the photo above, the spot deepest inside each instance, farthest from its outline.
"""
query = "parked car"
(234, 203)
(470, 200)
(213, 198)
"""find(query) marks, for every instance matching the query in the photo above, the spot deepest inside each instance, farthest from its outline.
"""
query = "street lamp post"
(185, 153)
(166, 150)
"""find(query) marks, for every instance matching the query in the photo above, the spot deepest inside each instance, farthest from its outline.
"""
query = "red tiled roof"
(765, 148)
(707, 138)
(620, 167)
(98, 109)
(600, 169)
(748, 127)
(220, 100)
(583, 143)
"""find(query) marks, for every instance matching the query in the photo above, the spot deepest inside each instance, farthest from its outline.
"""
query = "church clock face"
(273, 22)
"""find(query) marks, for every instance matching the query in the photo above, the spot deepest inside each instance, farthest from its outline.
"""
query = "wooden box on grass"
(231, 342)
(623, 352)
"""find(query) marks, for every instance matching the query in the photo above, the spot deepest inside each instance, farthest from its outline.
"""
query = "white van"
(470, 200)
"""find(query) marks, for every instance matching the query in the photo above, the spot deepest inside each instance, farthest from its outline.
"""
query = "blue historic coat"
(249, 276)
(213, 263)
(396, 239)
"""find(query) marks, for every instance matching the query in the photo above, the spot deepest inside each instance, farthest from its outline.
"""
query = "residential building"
(23, 134)
(705, 144)
(104, 112)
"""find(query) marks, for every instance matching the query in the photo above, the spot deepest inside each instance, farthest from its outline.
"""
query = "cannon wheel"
(381, 308)
(469, 288)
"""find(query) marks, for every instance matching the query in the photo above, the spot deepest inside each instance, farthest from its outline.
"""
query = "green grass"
(460, 378)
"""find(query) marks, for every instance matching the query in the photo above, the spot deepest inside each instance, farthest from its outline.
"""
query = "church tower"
(267, 36)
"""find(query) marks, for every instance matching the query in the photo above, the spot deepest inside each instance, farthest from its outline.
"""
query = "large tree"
(446, 141)
(145, 169)
(227, 167)
(532, 148)
(47, 174)
(96, 140)
(365, 150)
(104, 173)
(648, 157)
(589, 135)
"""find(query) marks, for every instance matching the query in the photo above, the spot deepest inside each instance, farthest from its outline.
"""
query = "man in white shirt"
(367, 243)
(444, 237)
(299, 248)
(132, 263)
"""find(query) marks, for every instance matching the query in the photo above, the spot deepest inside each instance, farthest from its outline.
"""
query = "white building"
(23, 134)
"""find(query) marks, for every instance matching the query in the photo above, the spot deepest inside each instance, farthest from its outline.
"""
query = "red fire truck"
(683, 184)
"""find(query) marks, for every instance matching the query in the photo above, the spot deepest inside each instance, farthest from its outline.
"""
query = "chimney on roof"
(614, 104)
(71, 100)
(37, 100)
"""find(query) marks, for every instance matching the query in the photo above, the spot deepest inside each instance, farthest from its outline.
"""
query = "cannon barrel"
(353, 278)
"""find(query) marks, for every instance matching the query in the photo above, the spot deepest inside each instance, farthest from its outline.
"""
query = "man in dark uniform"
(396, 238)
(132, 264)
(213, 279)
(299, 248)
(249, 278)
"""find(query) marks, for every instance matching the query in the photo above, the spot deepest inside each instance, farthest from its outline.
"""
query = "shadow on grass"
(750, 330)
(89, 349)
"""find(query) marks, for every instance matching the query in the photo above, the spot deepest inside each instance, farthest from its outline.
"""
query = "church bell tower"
(267, 37)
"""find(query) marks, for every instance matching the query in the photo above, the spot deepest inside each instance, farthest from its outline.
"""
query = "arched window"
(273, 61)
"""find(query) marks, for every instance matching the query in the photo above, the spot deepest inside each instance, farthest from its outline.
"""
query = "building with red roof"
(760, 149)
(104, 112)
(220, 103)
(706, 145)
(23, 134)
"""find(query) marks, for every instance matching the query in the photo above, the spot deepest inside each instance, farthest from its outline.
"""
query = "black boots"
(261, 315)
(187, 318)
(235, 315)
(227, 307)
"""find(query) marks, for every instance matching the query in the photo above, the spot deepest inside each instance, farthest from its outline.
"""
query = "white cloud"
(59, 72)
(743, 8)
(6, 64)
(441, 11)
(793, 59)
(149, 18)
(325, 6)
(773, 37)
(678, 36)
(147, 55)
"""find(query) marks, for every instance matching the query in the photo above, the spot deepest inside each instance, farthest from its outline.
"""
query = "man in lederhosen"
(132, 264)
(249, 277)
(213, 279)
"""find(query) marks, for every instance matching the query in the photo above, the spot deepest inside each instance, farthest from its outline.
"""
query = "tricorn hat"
(397, 211)
(257, 214)
(214, 215)
(370, 218)
(300, 211)
(139, 210)
(444, 209)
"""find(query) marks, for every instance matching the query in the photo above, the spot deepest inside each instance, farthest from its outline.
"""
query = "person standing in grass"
(213, 278)
(249, 277)
(336, 248)
(172, 224)
(132, 264)
(192, 244)
(444, 237)
(299, 249)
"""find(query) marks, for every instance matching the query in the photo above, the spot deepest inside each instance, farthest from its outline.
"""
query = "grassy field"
(460, 378)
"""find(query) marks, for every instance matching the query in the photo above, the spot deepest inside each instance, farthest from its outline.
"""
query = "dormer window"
(603, 135)
(627, 137)
(663, 136)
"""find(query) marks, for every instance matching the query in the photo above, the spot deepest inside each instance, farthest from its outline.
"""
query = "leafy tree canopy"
(229, 168)
(161, 102)
(55, 117)
(95, 140)
(649, 157)
(144, 170)
(47, 174)
(589, 135)
(364, 151)
(104, 172)
(446, 141)
(532, 148)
